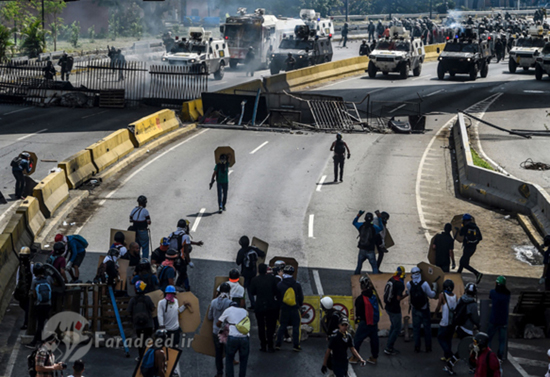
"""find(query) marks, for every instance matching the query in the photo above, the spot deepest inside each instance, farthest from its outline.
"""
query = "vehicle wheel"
(404, 71)
(233, 64)
(218, 75)
(538, 72)
(327, 59)
(385, 73)
(372, 70)
(417, 70)
(484, 70)
(525, 69)
(473, 72)
(274, 70)
(512, 66)
(441, 72)
(452, 74)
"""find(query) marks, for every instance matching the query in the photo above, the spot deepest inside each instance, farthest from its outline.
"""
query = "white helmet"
(327, 303)
(415, 270)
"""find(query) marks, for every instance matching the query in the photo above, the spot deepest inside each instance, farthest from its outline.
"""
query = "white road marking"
(17, 111)
(149, 163)
(516, 365)
(29, 135)
(257, 149)
(8, 210)
(13, 356)
(437, 91)
(91, 115)
(198, 220)
(525, 347)
(531, 362)
(310, 226)
(397, 108)
(230, 171)
(534, 91)
(351, 372)
(320, 184)
(317, 279)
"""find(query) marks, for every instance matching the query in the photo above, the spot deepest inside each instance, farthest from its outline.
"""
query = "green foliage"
(33, 35)
(91, 33)
(136, 30)
(126, 21)
(113, 26)
(75, 33)
(5, 42)
(478, 161)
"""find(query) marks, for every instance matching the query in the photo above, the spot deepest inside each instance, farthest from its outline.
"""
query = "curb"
(531, 230)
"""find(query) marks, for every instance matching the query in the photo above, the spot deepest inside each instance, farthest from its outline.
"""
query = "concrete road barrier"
(153, 126)
(51, 192)
(34, 219)
(8, 268)
(250, 86)
(20, 233)
(78, 168)
(110, 149)
(191, 111)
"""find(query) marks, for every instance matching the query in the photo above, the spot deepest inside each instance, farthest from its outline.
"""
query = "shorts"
(79, 258)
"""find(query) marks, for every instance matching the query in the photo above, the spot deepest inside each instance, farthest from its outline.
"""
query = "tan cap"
(25, 250)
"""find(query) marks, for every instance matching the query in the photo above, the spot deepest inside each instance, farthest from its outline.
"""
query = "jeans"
(234, 344)
(502, 331)
(380, 258)
(183, 279)
(419, 318)
(445, 338)
(364, 255)
(339, 162)
(247, 281)
(465, 260)
(365, 331)
(222, 194)
(219, 354)
(395, 330)
(19, 183)
(42, 313)
(340, 369)
(142, 238)
(145, 334)
(289, 317)
(267, 322)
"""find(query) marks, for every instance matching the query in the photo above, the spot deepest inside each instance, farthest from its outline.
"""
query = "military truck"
(306, 48)
(526, 50)
(464, 55)
(400, 53)
(199, 52)
(543, 62)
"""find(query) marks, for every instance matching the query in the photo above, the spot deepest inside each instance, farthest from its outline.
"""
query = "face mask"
(170, 297)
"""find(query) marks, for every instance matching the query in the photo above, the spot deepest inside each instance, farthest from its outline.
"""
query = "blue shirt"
(500, 309)
(75, 246)
(166, 273)
(23, 166)
(358, 225)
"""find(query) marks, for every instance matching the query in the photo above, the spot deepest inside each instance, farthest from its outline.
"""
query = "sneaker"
(391, 352)
(297, 349)
(341, 180)
(353, 360)
(277, 348)
(288, 340)
(372, 360)
(223, 208)
(449, 370)
(478, 279)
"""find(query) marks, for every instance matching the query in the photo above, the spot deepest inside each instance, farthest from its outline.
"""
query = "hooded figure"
(247, 258)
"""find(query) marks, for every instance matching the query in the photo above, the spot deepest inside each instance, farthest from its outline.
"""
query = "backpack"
(161, 273)
(43, 292)
(471, 235)
(142, 315)
(15, 163)
(388, 292)
(81, 240)
(366, 235)
(289, 297)
(243, 326)
(339, 147)
(460, 314)
(418, 296)
(52, 259)
(31, 362)
(250, 259)
(176, 241)
(148, 363)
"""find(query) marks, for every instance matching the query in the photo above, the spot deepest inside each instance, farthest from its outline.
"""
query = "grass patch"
(478, 161)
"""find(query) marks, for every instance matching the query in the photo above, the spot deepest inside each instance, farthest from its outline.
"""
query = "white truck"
(526, 50)
(200, 52)
(323, 26)
(543, 62)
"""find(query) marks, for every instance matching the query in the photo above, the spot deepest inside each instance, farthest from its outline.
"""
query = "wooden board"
(263, 246)
(388, 239)
(432, 274)
(156, 296)
(456, 222)
(432, 251)
(231, 158)
(190, 319)
(123, 265)
(129, 237)
(173, 358)
(288, 261)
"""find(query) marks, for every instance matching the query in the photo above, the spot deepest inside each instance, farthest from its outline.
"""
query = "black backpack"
(388, 291)
(141, 315)
(418, 296)
(340, 147)
(250, 259)
(31, 362)
(16, 162)
(366, 237)
(460, 313)
(471, 235)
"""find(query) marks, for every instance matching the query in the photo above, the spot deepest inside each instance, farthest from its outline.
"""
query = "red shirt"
(481, 364)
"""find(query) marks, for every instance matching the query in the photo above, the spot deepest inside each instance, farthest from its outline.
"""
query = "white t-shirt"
(451, 302)
(169, 317)
(234, 315)
(237, 290)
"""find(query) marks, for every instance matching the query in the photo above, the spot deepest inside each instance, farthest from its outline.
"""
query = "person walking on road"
(337, 351)
(141, 310)
(292, 299)
(250, 61)
(345, 32)
(339, 147)
(545, 278)
(331, 317)
(167, 270)
(486, 361)
(75, 247)
(472, 237)
(266, 308)
(181, 242)
(444, 245)
(371, 28)
(380, 223)
(221, 176)
(217, 307)
(44, 361)
(238, 339)
(498, 321)
(419, 292)
(447, 305)
(20, 166)
(23, 282)
(367, 315)
(41, 292)
(368, 241)
(393, 295)
(140, 219)
(247, 258)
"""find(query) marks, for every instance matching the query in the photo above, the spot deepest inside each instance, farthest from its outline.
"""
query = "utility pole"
(347, 10)
(43, 25)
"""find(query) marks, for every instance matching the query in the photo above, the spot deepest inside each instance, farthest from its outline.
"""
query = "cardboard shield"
(431, 251)
(172, 359)
(156, 296)
(59, 283)
(32, 163)
(190, 319)
(464, 347)
(432, 274)
(456, 222)
(288, 261)
(123, 265)
(388, 239)
(129, 236)
(229, 152)
(263, 246)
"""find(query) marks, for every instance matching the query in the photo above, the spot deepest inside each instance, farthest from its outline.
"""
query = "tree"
(75, 33)
(34, 37)
(53, 9)
(5, 42)
(13, 11)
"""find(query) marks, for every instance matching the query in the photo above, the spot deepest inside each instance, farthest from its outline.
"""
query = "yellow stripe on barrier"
(35, 220)
(20, 233)
(192, 110)
(78, 168)
(51, 192)
(311, 313)
(110, 149)
(153, 126)
(6, 247)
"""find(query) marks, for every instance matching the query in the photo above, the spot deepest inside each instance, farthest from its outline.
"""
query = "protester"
(368, 241)
(78, 367)
(57, 260)
(159, 254)
(331, 317)
(41, 292)
(393, 295)
(141, 310)
(237, 290)
(472, 237)
(23, 282)
(447, 305)
(339, 147)
(247, 258)
(66, 63)
(181, 242)
(486, 361)
(145, 274)
(44, 362)
(292, 299)
(20, 166)
(155, 359)
(419, 292)
(345, 32)
(140, 219)
(217, 307)
(49, 71)
(498, 321)
(120, 244)
(167, 271)
(367, 315)
(338, 346)
(266, 309)
(380, 224)
(238, 339)
(444, 249)
(545, 279)
(111, 267)
(75, 247)
(221, 176)
(132, 255)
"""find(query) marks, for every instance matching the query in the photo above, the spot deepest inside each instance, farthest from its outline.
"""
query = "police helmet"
(142, 200)
(234, 274)
(448, 285)
(482, 340)
(25, 251)
(144, 264)
(171, 254)
(113, 252)
(364, 41)
(119, 237)
(225, 288)
(38, 269)
(327, 303)
(289, 270)
(369, 217)
(170, 289)
(58, 248)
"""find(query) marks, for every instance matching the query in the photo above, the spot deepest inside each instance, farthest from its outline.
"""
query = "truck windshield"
(243, 35)
(295, 44)
(403, 46)
(530, 42)
(461, 47)
(199, 49)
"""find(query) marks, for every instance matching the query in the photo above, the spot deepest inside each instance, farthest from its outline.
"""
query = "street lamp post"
(43, 25)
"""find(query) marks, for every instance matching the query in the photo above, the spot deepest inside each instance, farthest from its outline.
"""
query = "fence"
(169, 84)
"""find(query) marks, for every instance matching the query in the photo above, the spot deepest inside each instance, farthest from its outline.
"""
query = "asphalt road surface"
(281, 191)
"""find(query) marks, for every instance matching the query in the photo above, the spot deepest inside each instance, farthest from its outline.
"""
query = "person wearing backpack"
(140, 309)
(57, 260)
(367, 315)
(393, 295)
(337, 352)
(120, 244)
(266, 309)
(75, 246)
(159, 254)
(369, 239)
(419, 292)
(181, 242)
(41, 362)
(19, 167)
(498, 321)
(41, 292)
(238, 339)
(292, 298)
(216, 309)
(339, 147)
(330, 317)
(140, 219)
(23, 282)
(221, 176)
(237, 292)
(247, 258)
(447, 305)
(472, 237)
(486, 361)
(154, 361)
(444, 249)
(167, 271)
(145, 274)
(110, 265)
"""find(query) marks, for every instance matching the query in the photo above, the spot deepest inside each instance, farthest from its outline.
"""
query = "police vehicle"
(526, 50)
(401, 54)
(306, 48)
(543, 62)
(464, 55)
(200, 52)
